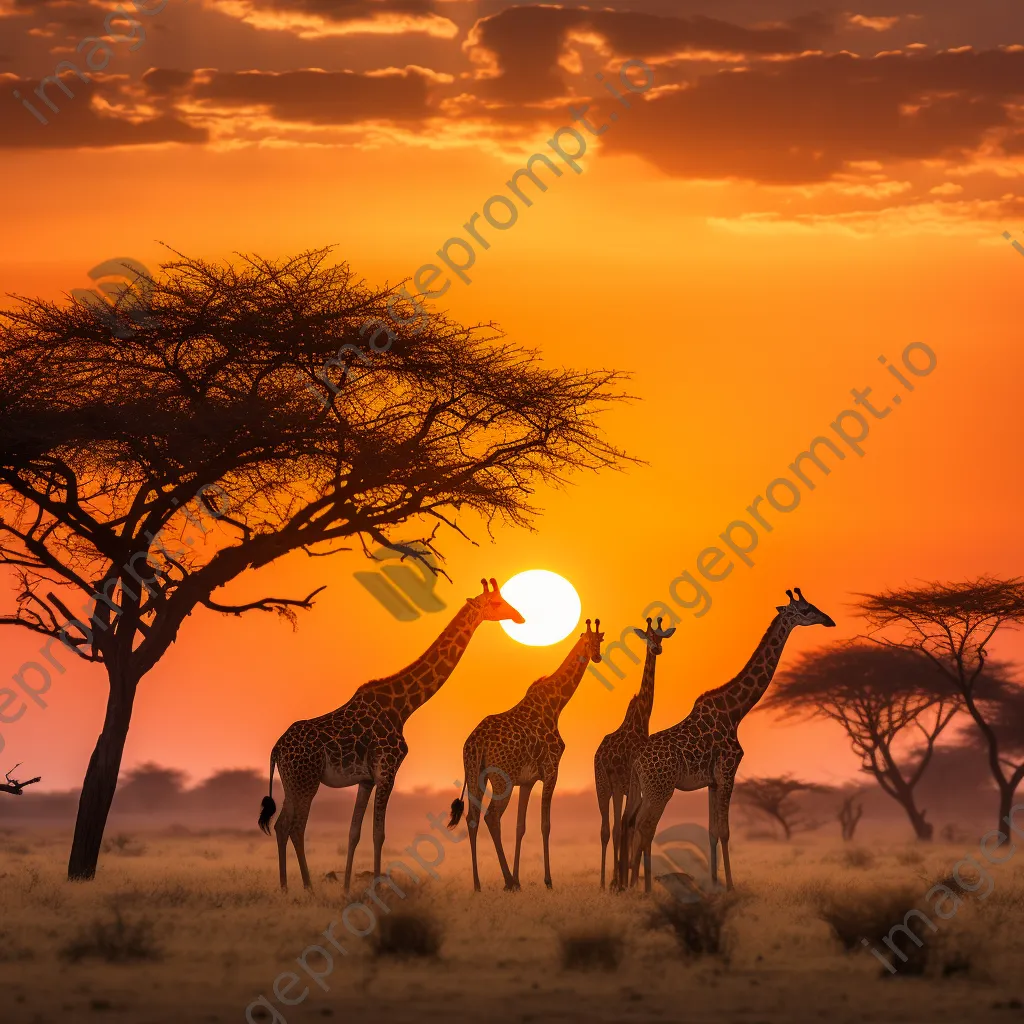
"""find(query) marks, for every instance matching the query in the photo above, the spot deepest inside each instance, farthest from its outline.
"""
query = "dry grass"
(196, 928)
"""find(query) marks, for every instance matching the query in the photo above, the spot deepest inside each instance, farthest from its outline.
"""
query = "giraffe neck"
(638, 715)
(415, 685)
(557, 688)
(749, 686)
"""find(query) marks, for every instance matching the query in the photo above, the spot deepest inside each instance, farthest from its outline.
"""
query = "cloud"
(520, 51)
(809, 119)
(319, 97)
(315, 19)
(97, 114)
(878, 24)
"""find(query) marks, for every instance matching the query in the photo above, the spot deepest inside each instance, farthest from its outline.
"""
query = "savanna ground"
(183, 926)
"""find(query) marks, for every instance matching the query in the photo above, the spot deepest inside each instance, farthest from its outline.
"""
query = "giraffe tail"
(458, 807)
(268, 808)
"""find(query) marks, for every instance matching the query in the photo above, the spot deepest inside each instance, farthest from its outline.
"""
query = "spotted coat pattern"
(362, 743)
(703, 750)
(614, 757)
(524, 746)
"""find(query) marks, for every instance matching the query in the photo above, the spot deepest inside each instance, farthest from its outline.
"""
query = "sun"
(549, 604)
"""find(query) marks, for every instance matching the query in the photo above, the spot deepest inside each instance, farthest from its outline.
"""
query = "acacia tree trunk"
(904, 796)
(101, 778)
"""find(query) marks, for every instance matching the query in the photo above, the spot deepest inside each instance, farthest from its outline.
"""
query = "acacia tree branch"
(265, 604)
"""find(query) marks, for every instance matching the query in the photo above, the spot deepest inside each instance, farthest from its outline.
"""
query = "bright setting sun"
(549, 604)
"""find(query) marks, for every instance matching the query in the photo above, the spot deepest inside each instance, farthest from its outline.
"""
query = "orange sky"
(746, 290)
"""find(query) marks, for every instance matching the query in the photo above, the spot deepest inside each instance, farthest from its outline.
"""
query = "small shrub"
(585, 951)
(123, 846)
(910, 856)
(869, 916)
(857, 857)
(408, 934)
(953, 833)
(116, 942)
(697, 925)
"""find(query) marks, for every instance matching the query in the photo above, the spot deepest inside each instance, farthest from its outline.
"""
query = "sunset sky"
(801, 190)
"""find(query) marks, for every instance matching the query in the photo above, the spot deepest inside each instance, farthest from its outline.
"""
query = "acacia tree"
(952, 625)
(884, 699)
(215, 397)
(772, 795)
(849, 812)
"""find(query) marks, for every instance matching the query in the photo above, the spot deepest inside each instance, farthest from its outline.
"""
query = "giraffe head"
(654, 635)
(492, 606)
(594, 638)
(800, 611)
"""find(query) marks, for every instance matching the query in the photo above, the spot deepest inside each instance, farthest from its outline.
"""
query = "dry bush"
(583, 951)
(857, 857)
(697, 925)
(910, 856)
(869, 915)
(124, 846)
(408, 933)
(116, 942)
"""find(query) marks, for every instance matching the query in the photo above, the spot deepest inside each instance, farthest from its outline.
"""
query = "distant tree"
(13, 786)
(773, 797)
(151, 787)
(217, 397)
(883, 698)
(953, 624)
(850, 811)
(228, 788)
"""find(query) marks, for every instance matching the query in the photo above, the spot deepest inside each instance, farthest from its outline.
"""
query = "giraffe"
(703, 750)
(615, 754)
(523, 747)
(361, 743)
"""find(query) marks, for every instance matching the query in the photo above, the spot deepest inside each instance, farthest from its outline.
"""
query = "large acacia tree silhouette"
(107, 435)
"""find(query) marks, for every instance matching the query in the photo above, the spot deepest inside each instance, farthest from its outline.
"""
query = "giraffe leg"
(724, 796)
(297, 832)
(495, 809)
(380, 809)
(604, 794)
(545, 822)
(524, 800)
(713, 832)
(652, 807)
(283, 827)
(475, 786)
(473, 827)
(356, 828)
(617, 796)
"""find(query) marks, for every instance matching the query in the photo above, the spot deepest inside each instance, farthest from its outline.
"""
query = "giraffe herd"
(362, 744)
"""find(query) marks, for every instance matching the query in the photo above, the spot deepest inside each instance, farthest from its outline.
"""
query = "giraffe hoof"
(513, 887)
(547, 882)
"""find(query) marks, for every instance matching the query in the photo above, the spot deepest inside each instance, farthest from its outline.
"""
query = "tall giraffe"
(523, 746)
(615, 755)
(703, 750)
(361, 743)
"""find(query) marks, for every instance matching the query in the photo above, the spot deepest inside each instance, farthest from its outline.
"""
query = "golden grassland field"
(191, 926)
